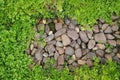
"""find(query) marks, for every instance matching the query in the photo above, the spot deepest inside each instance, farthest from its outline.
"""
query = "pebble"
(79, 41)
(49, 38)
(69, 51)
(91, 44)
(33, 51)
(72, 34)
(83, 45)
(59, 44)
(60, 32)
(56, 55)
(104, 26)
(78, 53)
(115, 27)
(100, 53)
(100, 46)
(61, 60)
(31, 46)
(112, 42)
(45, 54)
(58, 26)
(91, 55)
(109, 36)
(81, 62)
(83, 36)
(108, 30)
(100, 38)
(71, 26)
(38, 55)
(95, 29)
(89, 34)
(60, 50)
(77, 29)
(108, 56)
(66, 40)
(89, 62)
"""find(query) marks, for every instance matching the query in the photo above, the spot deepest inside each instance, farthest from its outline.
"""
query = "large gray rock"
(60, 32)
(58, 26)
(69, 51)
(72, 34)
(100, 37)
(78, 53)
(91, 44)
(83, 36)
(49, 38)
(61, 60)
(66, 40)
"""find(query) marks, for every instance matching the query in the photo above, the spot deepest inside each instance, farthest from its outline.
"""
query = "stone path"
(70, 45)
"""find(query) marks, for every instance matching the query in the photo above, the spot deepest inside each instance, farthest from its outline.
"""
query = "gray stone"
(81, 62)
(66, 40)
(89, 34)
(50, 48)
(83, 45)
(104, 26)
(91, 44)
(61, 60)
(59, 39)
(91, 55)
(60, 32)
(73, 43)
(59, 44)
(114, 18)
(69, 51)
(108, 30)
(95, 29)
(53, 42)
(108, 56)
(39, 27)
(60, 50)
(115, 27)
(117, 36)
(71, 26)
(78, 53)
(100, 46)
(45, 54)
(108, 50)
(72, 34)
(83, 36)
(38, 55)
(47, 29)
(118, 55)
(100, 38)
(100, 53)
(118, 42)
(49, 38)
(115, 50)
(79, 41)
(58, 26)
(109, 36)
(74, 22)
(77, 46)
(77, 29)
(102, 21)
(56, 55)
(112, 42)
(85, 51)
(67, 21)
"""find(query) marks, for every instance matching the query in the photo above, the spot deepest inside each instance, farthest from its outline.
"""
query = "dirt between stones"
(67, 43)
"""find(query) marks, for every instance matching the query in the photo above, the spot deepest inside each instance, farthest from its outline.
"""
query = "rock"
(77, 46)
(100, 37)
(73, 57)
(89, 62)
(47, 29)
(37, 36)
(108, 30)
(100, 46)
(95, 48)
(84, 57)
(104, 26)
(59, 44)
(112, 42)
(53, 42)
(45, 54)
(73, 43)
(72, 34)
(38, 55)
(108, 50)
(100, 53)
(109, 36)
(89, 34)
(115, 58)
(75, 64)
(31, 46)
(58, 26)
(50, 33)
(60, 32)
(78, 53)
(69, 51)
(118, 55)
(35, 44)
(95, 29)
(71, 26)
(61, 60)
(91, 55)
(67, 21)
(85, 51)
(83, 36)
(27, 51)
(81, 62)
(91, 44)
(114, 18)
(66, 40)
(49, 38)
(33, 51)
(79, 41)
(70, 61)
(74, 22)
(118, 42)
(102, 21)
(58, 39)
(77, 29)
(117, 36)
(50, 48)
(115, 27)
(83, 45)
(115, 50)
(51, 54)
(56, 55)
(60, 50)
(108, 56)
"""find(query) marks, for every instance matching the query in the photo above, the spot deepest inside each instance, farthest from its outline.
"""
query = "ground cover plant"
(17, 19)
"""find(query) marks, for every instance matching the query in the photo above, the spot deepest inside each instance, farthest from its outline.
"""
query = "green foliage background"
(17, 19)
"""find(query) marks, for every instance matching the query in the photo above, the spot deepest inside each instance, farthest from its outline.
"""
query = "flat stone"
(89, 34)
(81, 62)
(115, 27)
(77, 29)
(58, 39)
(84, 57)
(47, 29)
(100, 37)
(60, 50)
(66, 40)
(73, 43)
(91, 44)
(69, 51)
(83, 36)
(59, 44)
(85, 51)
(104, 26)
(50, 48)
(56, 55)
(112, 42)
(109, 36)
(49, 38)
(83, 45)
(77, 46)
(78, 53)
(58, 26)
(72, 34)
(71, 26)
(100, 53)
(79, 41)
(108, 30)
(60, 32)
(91, 55)
(95, 29)
(89, 62)
(38, 55)
(61, 60)
(108, 56)
(117, 36)
(108, 50)
(53, 42)
(100, 46)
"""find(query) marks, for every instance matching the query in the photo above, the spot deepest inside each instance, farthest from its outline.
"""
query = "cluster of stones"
(67, 43)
